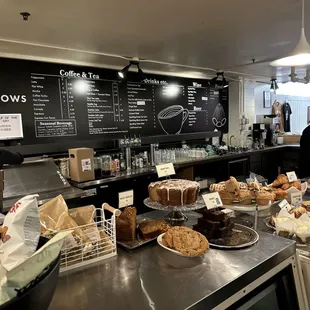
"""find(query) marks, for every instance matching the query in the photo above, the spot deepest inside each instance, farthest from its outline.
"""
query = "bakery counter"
(153, 278)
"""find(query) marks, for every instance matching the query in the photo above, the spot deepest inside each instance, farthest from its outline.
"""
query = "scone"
(264, 198)
(232, 186)
(217, 187)
(186, 241)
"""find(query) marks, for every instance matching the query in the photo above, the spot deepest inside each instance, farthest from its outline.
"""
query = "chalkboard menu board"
(63, 102)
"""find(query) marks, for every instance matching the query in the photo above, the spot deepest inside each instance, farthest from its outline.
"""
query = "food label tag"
(86, 164)
(296, 199)
(212, 200)
(291, 176)
(285, 204)
(165, 170)
(125, 199)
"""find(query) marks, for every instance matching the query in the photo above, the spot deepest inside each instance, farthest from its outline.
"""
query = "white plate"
(160, 242)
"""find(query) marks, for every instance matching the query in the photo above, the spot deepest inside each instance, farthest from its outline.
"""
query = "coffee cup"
(172, 118)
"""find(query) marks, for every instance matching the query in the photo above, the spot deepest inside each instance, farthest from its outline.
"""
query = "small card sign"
(164, 170)
(284, 204)
(125, 199)
(11, 126)
(212, 200)
(296, 199)
(291, 176)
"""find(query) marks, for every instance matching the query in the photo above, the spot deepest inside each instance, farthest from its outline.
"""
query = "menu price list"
(46, 128)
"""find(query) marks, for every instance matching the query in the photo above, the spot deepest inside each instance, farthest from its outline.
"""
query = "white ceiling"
(199, 33)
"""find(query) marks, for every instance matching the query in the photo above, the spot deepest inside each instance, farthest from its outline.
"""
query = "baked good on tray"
(232, 186)
(264, 197)
(296, 184)
(298, 211)
(280, 194)
(186, 241)
(280, 180)
(214, 224)
(152, 228)
(226, 197)
(126, 225)
(246, 197)
(174, 192)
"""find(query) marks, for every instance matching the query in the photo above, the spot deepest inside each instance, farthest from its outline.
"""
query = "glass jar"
(106, 161)
(97, 167)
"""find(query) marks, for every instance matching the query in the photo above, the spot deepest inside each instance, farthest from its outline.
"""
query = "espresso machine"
(270, 127)
(259, 135)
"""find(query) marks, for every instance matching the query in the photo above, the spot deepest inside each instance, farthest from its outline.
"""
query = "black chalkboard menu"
(65, 102)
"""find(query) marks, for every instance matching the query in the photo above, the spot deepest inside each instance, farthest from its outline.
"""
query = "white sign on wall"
(11, 127)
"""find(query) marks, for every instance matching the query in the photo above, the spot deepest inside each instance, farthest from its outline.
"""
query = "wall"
(259, 99)
(249, 100)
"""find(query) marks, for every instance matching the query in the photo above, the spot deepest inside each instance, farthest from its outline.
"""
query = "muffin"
(227, 198)
(264, 198)
(245, 197)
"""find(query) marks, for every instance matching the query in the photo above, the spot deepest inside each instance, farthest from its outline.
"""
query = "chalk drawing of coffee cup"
(172, 118)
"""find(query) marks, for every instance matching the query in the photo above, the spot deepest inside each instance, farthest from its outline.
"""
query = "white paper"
(11, 126)
(291, 176)
(125, 199)
(86, 164)
(212, 200)
(296, 199)
(165, 170)
(285, 205)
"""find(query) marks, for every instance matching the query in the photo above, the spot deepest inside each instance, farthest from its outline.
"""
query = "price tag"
(165, 170)
(125, 199)
(291, 176)
(86, 164)
(212, 200)
(285, 204)
(296, 199)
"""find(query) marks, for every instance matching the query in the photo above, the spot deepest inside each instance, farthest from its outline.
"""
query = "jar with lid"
(97, 166)
(106, 161)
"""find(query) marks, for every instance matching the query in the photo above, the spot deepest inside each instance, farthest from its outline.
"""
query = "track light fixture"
(274, 85)
(123, 72)
(219, 78)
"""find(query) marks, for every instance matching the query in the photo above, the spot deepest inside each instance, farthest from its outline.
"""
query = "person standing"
(304, 155)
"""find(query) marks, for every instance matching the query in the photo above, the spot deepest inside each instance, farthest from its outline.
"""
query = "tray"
(131, 245)
(267, 223)
(223, 243)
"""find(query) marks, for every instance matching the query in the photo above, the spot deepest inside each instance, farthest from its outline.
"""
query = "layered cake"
(214, 224)
(174, 192)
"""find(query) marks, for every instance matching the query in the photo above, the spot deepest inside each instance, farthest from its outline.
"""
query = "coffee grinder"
(259, 135)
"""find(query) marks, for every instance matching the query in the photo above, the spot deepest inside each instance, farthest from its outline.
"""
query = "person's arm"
(10, 158)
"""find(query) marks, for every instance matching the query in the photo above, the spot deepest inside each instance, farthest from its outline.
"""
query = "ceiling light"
(274, 85)
(122, 73)
(301, 54)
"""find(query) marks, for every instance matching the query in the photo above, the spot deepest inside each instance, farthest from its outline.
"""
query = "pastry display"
(126, 225)
(214, 224)
(174, 192)
(152, 228)
(186, 241)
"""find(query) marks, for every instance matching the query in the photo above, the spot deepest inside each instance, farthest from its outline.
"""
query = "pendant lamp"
(301, 54)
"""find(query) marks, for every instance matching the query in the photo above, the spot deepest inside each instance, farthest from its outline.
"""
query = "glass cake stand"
(176, 215)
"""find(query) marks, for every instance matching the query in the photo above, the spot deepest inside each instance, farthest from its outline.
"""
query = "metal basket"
(101, 242)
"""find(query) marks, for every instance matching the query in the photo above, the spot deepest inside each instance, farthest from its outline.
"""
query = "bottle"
(116, 164)
(122, 162)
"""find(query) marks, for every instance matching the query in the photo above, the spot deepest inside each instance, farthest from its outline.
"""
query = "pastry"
(232, 186)
(213, 215)
(246, 197)
(281, 179)
(255, 186)
(213, 225)
(280, 194)
(243, 185)
(306, 204)
(298, 211)
(126, 225)
(174, 192)
(217, 187)
(264, 198)
(186, 241)
(153, 228)
(226, 197)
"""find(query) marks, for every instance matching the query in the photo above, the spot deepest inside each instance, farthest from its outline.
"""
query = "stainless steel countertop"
(153, 278)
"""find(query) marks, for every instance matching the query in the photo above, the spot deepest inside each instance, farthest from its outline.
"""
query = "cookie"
(186, 241)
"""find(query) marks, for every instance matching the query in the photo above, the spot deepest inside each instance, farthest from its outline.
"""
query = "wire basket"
(100, 244)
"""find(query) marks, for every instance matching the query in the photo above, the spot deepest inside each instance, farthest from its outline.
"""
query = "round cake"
(174, 192)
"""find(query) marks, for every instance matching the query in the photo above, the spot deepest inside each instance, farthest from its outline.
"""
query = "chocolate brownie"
(214, 215)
